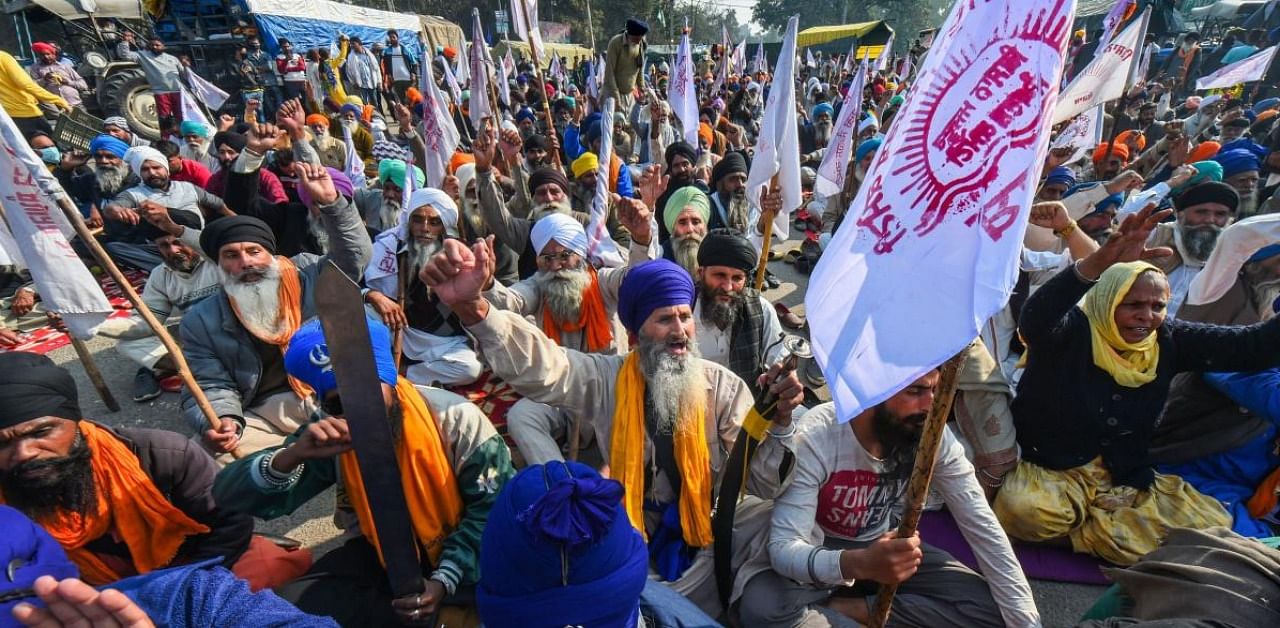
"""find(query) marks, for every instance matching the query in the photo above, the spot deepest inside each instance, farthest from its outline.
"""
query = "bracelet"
(1066, 231)
(274, 479)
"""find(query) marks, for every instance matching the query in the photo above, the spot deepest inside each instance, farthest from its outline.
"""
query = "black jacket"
(1068, 411)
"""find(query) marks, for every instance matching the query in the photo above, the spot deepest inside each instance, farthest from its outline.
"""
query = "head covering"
(651, 285)
(1236, 161)
(32, 386)
(705, 133)
(1061, 175)
(1121, 151)
(1205, 171)
(868, 122)
(867, 146)
(556, 536)
(683, 149)
(586, 162)
(236, 141)
(466, 174)
(353, 109)
(687, 196)
(235, 229)
(1240, 123)
(394, 170)
(1248, 144)
(341, 182)
(593, 132)
(821, 108)
(723, 247)
(1108, 202)
(1192, 103)
(110, 144)
(307, 357)
(458, 159)
(30, 552)
(194, 127)
(897, 99)
(545, 175)
(382, 149)
(525, 113)
(1124, 138)
(1203, 151)
(1208, 192)
(116, 121)
(562, 228)
(536, 141)
(439, 201)
(1209, 100)
(1265, 104)
(733, 162)
(1240, 243)
(138, 155)
(1130, 364)
(41, 48)
(318, 118)
(636, 28)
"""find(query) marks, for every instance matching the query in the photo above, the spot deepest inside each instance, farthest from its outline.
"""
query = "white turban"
(869, 122)
(439, 201)
(563, 229)
(1235, 246)
(138, 154)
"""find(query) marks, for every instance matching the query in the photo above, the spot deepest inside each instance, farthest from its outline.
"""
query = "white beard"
(258, 303)
(676, 385)
(421, 252)
(686, 250)
(390, 213)
(110, 179)
(562, 291)
(194, 154)
(822, 134)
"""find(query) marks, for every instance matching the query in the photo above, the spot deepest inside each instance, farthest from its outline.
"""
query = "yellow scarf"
(626, 458)
(1130, 364)
(435, 505)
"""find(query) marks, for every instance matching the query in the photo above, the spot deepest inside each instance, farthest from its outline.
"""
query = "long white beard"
(258, 303)
(686, 251)
(822, 133)
(421, 252)
(196, 153)
(390, 213)
(675, 384)
(562, 291)
(110, 179)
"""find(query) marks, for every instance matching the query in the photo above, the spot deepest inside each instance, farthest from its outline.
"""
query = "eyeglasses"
(564, 257)
(332, 406)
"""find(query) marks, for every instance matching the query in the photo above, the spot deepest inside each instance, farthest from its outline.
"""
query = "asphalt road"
(1059, 604)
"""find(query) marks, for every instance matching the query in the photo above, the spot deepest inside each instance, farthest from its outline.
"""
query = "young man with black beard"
(121, 501)
(656, 188)
(1203, 211)
(729, 208)
(847, 489)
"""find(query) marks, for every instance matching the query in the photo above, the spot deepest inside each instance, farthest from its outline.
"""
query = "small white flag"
(1245, 70)
(682, 95)
(601, 249)
(777, 151)
(454, 89)
(439, 133)
(1106, 77)
(211, 95)
(524, 19)
(882, 62)
(835, 162)
(479, 107)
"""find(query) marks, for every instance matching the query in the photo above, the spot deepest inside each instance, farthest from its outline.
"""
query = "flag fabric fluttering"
(1112, 21)
(454, 89)
(524, 19)
(835, 162)
(211, 95)
(439, 134)
(1246, 70)
(504, 87)
(777, 150)
(40, 231)
(808, 59)
(601, 248)
(191, 109)
(851, 61)
(882, 61)
(354, 167)
(1082, 134)
(940, 214)
(1107, 76)
(759, 63)
(682, 94)
(479, 108)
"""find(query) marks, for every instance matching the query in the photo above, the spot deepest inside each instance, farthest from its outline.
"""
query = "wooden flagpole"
(542, 83)
(769, 217)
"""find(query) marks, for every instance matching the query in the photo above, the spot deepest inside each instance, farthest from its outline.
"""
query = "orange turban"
(705, 133)
(317, 118)
(460, 159)
(450, 52)
(367, 114)
(413, 96)
(1124, 138)
(1120, 151)
(1203, 151)
(1266, 115)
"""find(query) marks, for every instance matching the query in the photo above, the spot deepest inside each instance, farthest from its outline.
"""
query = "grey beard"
(822, 133)
(194, 153)
(739, 211)
(1264, 297)
(546, 209)
(389, 213)
(686, 251)
(672, 382)
(1248, 204)
(110, 178)
(421, 252)
(562, 291)
(1199, 241)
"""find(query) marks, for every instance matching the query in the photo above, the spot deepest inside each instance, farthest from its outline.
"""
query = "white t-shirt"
(399, 69)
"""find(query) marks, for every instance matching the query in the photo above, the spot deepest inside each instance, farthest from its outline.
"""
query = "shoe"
(145, 385)
(171, 384)
(787, 317)
(770, 281)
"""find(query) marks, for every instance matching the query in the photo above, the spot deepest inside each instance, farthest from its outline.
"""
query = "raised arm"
(349, 244)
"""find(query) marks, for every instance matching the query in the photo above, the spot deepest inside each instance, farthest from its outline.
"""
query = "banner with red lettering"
(835, 162)
(1106, 77)
(1246, 70)
(479, 107)
(929, 249)
(439, 133)
(40, 231)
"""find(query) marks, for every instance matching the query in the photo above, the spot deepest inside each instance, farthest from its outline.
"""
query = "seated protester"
(181, 168)
(660, 408)
(1203, 211)
(41, 570)
(120, 501)
(1097, 376)
(526, 121)
(576, 305)
(1240, 168)
(452, 463)
(729, 208)
(472, 226)
(680, 159)
(685, 215)
(1233, 129)
(737, 327)
(255, 191)
(436, 348)
(535, 151)
(1055, 184)
(654, 130)
(332, 150)
(381, 205)
(233, 341)
(522, 580)
(128, 242)
(118, 127)
(228, 146)
(195, 144)
(1108, 161)
(585, 173)
(849, 484)
(816, 133)
(349, 122)
(838, 204)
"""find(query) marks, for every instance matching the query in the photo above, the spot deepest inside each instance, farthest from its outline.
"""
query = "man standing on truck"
(162, 71)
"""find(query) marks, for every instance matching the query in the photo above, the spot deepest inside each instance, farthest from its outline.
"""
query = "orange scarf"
(435, 505)
(693, 458)
(1264, 497)
(615, 168)
(129, 507)
(592, 319)
(290, 291)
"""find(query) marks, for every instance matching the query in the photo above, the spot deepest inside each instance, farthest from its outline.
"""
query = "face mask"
(51, 155)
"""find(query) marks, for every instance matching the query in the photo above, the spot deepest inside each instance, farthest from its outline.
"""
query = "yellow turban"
(588, 162)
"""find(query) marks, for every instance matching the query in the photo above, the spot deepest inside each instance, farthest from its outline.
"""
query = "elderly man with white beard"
(1203, 211)
(685, 215)
(434, 344)
(576, 305)
(815, 134)
(234, 341)
(666, 419)
(196, 144)
(1241, 170)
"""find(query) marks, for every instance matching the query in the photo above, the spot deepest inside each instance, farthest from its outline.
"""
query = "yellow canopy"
(571, 52)
(818, 35)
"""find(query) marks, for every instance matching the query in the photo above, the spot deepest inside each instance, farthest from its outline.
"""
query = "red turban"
(41, 48)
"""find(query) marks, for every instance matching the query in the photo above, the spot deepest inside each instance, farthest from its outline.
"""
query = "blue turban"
(525, 113)
(559, 550)
(1236, 161)
(649, 286)
(822, 107)
(1267, 252)
(307, 357)
(108, 143)
(1114, 200)
(30, 552)
(1245, 143)
(593, 133)
(352, 108)
(192, 127)
(1265, 104)
(866, 147)
(1062, 175)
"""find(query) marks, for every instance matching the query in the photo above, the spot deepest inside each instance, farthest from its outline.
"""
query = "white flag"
(940, 215)
(1082, 134)
(439, 133)
(557, 71)
(452, 81)
(1112, 21)
(479, 107)
(601, 249)
(354, 168)
(682, 95)
(759, 64)
(504, 84)
(1106, 77)
(1245, 70)
(835, 162)
(851, 61)
(808, 59)
(882, 61)
(740, 56)
(40, 230)
(207, 92)
(524, 19)
(777, 151)
(191, 108)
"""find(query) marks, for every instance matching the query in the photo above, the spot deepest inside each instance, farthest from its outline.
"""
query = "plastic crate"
(75, 130)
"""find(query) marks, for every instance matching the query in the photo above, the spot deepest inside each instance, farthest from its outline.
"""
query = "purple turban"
(341, 183)
(649, 286)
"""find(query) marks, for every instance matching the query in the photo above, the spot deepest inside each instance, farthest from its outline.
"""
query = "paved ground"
(1060, 604)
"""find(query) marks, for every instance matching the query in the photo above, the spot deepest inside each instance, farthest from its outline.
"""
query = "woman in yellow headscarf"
(1101, 357)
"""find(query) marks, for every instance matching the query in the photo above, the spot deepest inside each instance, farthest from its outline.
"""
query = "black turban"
(732, 163)
(235, 140)
(182, 217)
(233, 229)
(536, 141)
(682, 148)
(545, 175)
(636, 28)
(32, 386)
(726, 247)
(1209, 192)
